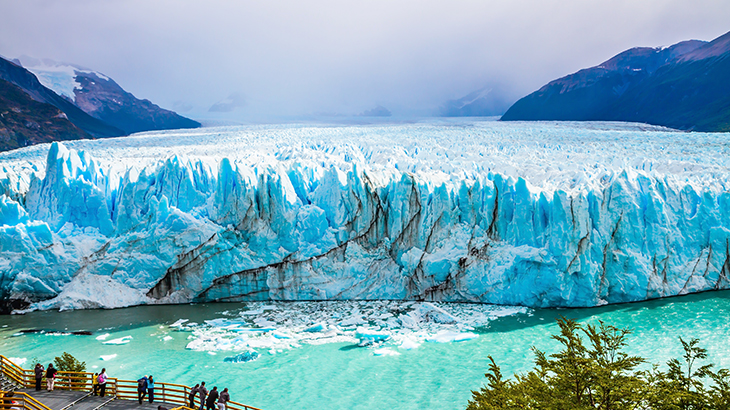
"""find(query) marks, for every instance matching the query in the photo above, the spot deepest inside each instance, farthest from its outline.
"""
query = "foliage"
(68, 363)
(591, 371)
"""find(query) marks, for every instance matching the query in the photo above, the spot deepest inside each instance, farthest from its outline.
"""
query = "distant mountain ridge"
(685, 86)
(28, 82)
(57, 101)
(101, 97)
(481, 103)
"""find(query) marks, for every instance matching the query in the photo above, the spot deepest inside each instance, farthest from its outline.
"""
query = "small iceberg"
(18, 360)
(179, 323)
(408, 344)
(280, 335)
(369, 336)
(244, 357)
(166, 338)
(103, 337)
(385, 352)
(108, 357)
(319, 327)
(448, 337)
(121, 341)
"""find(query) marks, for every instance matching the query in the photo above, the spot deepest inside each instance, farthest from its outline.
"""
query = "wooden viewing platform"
(73, 391)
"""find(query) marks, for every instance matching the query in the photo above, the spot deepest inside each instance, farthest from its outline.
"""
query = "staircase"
(7, 384)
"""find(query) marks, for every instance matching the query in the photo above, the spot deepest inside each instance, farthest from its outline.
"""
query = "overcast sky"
(289, 58)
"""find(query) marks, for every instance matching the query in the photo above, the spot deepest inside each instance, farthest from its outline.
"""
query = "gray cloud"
(292, 58)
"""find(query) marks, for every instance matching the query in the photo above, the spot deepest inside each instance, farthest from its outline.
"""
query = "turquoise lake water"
(342, 375)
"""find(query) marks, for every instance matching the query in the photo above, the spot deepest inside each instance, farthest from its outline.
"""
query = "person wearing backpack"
(102, 382)
(50, 376)
(95, 384)
(191, 396)
(141, 388)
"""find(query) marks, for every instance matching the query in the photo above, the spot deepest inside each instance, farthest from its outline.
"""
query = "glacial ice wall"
(540, 215)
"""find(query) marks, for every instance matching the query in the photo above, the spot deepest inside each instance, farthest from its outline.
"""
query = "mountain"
(102, 98)
(24, 121)
(378, 111)
(685, 86)
(26, 81)
(480, 103)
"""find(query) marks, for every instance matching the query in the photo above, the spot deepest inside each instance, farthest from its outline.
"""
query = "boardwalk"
(72, 392)
(76, 400)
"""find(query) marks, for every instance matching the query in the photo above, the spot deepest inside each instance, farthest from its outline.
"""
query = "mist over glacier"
(538, 214)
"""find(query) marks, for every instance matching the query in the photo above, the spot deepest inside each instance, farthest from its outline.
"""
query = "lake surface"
(333, 372)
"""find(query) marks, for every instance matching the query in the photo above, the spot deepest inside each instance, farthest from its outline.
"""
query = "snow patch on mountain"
(59, 77)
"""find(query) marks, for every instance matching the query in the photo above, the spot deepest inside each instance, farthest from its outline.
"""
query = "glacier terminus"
(535, 214)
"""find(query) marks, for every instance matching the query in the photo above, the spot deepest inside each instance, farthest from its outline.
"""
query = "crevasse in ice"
(518, 214)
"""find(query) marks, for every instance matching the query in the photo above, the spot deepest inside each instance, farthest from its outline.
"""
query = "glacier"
(544, 214)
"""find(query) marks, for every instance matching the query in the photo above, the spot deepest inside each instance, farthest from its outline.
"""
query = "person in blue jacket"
(150, 389)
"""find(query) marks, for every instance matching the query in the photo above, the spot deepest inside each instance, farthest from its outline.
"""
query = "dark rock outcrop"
(24, 121)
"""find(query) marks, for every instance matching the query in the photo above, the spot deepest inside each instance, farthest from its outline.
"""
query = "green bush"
(591, 371)
(68, 363)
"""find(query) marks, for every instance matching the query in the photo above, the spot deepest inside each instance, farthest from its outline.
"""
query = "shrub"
(68, 363)
(591, 371)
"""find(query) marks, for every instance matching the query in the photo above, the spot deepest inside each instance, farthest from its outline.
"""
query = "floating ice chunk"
(432, 314)
(263, 322)
(385, 352)
(108, 357)
(18, 360)
(166, 338)
(449, 336)
(220, 322)
(212, 353)
(408, 344)
(254, 312)
(244, 357)
(374, 336)
(280, 335)
(121, 341)
(103, 337)
(179, 323)
(353, 321)
(319, 327)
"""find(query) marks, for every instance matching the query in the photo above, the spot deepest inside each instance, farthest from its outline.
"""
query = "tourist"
(7, 401)
(203, 392)
(141, 388)
(224, 399)
(191, 396)
(212, 398)
(50, 376)
(38, 375)
(102, 382)
(150, 389)
(95, 384)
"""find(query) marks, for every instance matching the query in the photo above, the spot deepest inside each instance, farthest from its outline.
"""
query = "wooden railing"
(21, 400)
(170, 393)
(124, 389)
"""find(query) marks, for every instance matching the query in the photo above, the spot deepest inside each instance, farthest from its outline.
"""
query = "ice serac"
(90, 233)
